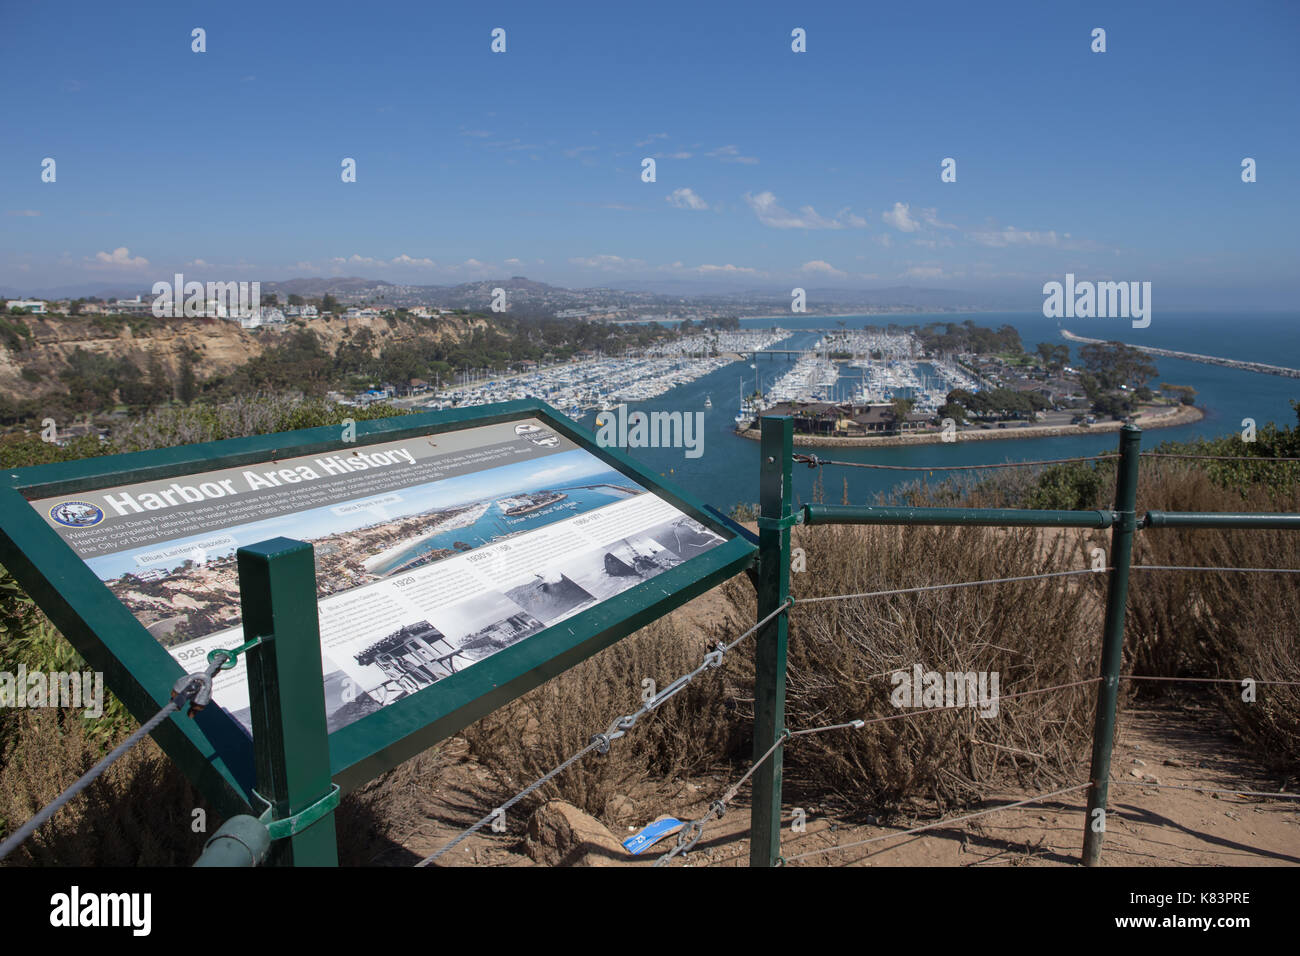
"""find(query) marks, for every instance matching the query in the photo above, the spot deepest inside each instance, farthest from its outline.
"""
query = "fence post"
(775, 499)
(277, 595)
(1112, 650)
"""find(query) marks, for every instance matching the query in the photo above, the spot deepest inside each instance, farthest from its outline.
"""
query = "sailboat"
(708, 401)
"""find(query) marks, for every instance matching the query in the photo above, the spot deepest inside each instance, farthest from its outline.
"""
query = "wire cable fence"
(690, 835)
(618, 728)
(815, 461)
(194, 690)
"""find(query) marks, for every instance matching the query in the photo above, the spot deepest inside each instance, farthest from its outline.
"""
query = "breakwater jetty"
(1196, 357)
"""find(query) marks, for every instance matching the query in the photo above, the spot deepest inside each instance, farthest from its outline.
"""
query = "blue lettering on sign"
(651, 835)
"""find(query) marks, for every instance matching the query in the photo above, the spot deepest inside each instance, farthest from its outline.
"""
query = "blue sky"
(774, 168)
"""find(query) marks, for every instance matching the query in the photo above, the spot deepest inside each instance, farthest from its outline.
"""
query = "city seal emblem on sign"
(536, 435)
(76, 514)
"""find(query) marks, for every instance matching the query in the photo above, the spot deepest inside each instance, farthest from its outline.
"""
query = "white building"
(34, 306)
(136, 306)
(261, 316)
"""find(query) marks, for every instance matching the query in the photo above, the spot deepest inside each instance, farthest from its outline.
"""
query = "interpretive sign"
(470, 554)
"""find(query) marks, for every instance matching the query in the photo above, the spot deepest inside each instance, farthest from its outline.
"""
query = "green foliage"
(1055, 357)
(1077, 486)
(999, 402)
(15, 333)
(968, 337)
(1115, 364)
(1184, 393)
(1271, 441)
(954, 411)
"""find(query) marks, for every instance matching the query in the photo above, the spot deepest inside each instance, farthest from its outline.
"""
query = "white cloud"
(119, 258)
(770, 213)
(651, 138)
(710, 269)
(885, 239)
(677, 155)
(931, 218)
(577, 151)
(23, 212)
(901, 218)
(405, 260)
(726, 269)
(606, 263)
(514, 262)
(822, 267)
(924, 272)
(730, 154)
(1011, 236)
(685, 198)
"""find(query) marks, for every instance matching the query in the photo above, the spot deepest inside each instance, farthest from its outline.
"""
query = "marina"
(874, 365)
(602, 383)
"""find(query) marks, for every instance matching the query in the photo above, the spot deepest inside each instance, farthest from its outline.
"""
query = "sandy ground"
(1178, 741)
(1147, 826)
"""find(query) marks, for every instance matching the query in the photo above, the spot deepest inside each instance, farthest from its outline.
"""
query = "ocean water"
(727, 471)
(494, 523)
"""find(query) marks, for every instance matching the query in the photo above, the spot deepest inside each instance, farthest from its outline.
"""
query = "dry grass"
(139, 813)
(1229, 625)
(842, 655)
(692, 732)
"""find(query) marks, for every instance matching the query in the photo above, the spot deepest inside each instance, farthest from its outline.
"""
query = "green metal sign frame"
(212, 750)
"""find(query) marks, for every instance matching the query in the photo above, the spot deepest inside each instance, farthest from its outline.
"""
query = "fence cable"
(1181, 567)
(690, 834)
(1157, 454)
(940, 587)
(1239, 681)
(618, 728)
(813, 461)
(195, 689)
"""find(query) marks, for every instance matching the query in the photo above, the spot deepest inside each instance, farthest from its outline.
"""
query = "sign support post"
(775, 499)
(277, 588)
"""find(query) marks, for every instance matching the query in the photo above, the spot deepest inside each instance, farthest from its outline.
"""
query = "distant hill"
(533, 297)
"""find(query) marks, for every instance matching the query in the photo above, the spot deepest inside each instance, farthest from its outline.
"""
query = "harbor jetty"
(1261, 367)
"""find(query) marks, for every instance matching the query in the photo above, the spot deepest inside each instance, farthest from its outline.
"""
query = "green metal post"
(277, 593)
(1112, 651)
(241, 841)
(775, 498)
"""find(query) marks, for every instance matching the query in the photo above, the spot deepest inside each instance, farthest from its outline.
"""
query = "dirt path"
(1178, 743)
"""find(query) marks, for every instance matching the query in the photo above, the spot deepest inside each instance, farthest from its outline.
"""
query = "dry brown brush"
(690, 733)
(843, 653)
(1221, 624)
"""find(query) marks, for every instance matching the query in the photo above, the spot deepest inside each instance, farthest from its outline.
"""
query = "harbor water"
(727, 471)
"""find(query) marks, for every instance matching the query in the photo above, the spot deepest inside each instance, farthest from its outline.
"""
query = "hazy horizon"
(774, 169)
